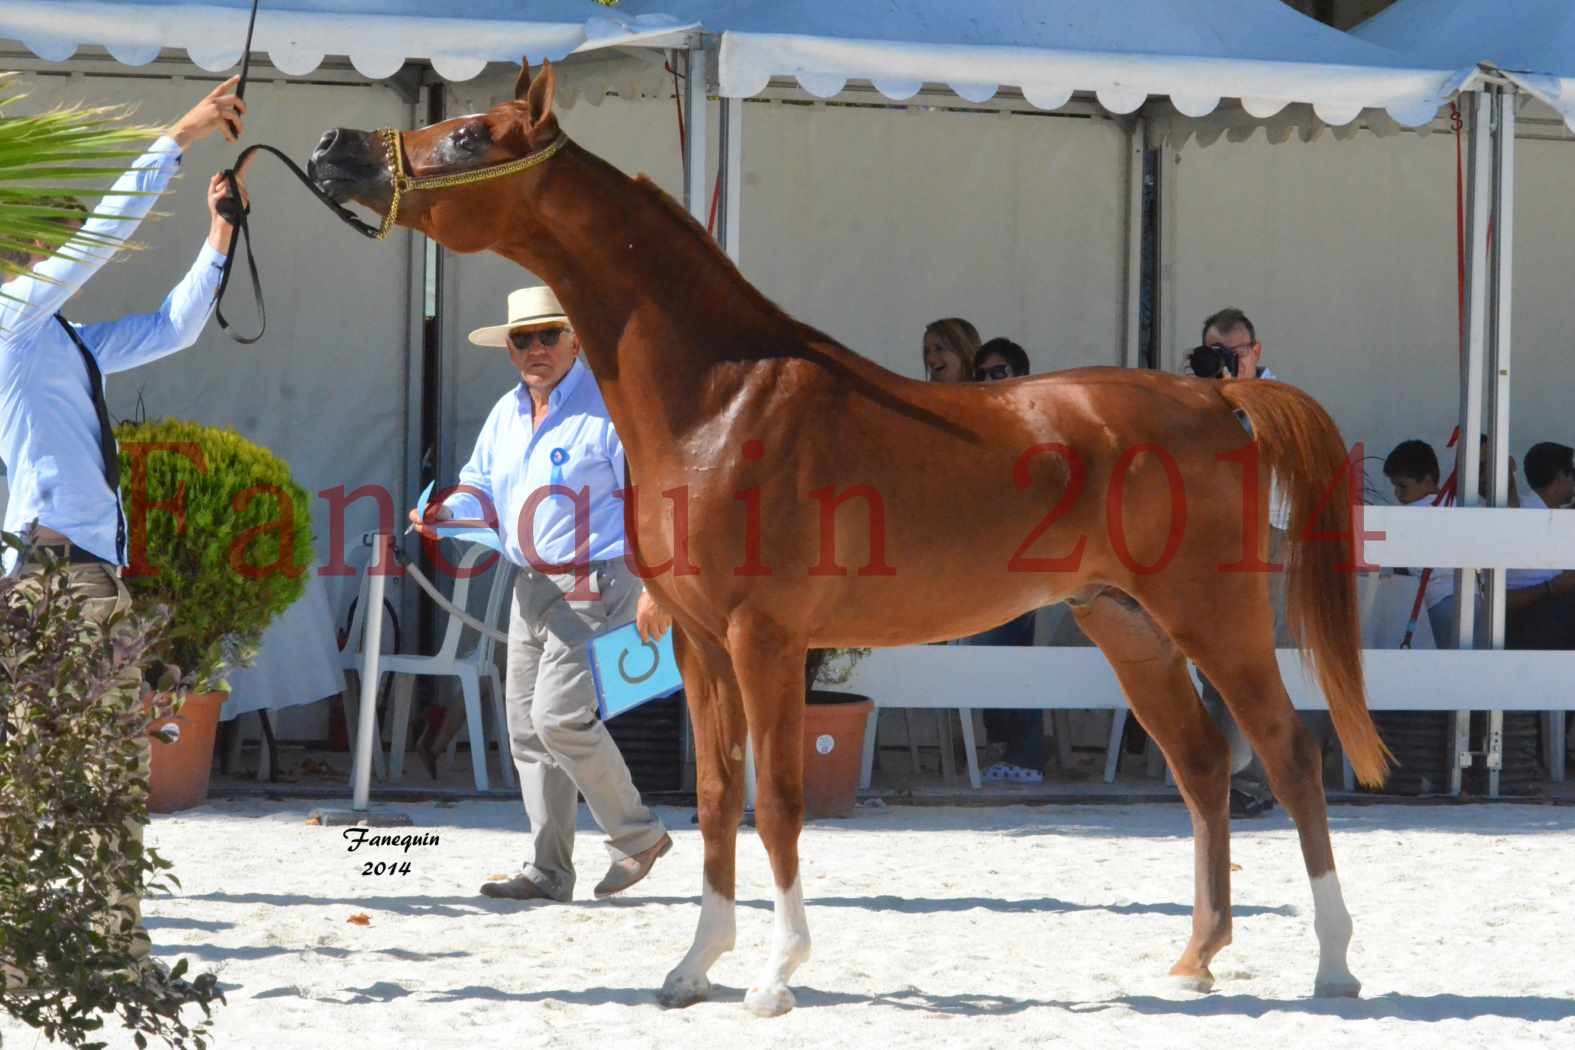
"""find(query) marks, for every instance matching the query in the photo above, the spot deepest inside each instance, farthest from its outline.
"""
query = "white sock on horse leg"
(1333, 925)
(688, 983)
(770, 995)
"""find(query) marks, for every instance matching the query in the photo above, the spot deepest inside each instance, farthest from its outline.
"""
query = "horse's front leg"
(770, 669)
(717, 715)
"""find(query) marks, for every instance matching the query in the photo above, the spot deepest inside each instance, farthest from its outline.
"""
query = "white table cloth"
(298, 662)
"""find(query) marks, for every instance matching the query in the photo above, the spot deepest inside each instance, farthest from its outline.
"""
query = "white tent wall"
(325, 389)
(1544, 310)
(870, 223)
(1343, 254)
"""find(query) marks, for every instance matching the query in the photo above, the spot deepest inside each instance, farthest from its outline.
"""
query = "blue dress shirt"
(49, 432)
(575, 447)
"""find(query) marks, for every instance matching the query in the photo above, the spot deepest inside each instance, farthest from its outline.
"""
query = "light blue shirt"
(575, 447)
(49, 432)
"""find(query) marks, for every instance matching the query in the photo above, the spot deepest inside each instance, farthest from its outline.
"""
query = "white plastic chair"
(471, 667)
(350, 659)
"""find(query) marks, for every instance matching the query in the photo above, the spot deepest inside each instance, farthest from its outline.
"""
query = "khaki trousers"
(560, 746)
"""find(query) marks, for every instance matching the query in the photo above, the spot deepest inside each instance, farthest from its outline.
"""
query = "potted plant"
(834, 724)
(219, 534)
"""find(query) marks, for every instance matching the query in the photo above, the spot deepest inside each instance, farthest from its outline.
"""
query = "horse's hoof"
(1192, 982)
(1342, 987)
(680, 990)
(769, 1002)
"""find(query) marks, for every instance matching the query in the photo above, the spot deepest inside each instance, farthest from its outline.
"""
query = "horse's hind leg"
(717, 715)
(1153, 674)
(1249, 679)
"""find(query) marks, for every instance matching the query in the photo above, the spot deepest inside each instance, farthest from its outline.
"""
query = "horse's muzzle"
(347, 163)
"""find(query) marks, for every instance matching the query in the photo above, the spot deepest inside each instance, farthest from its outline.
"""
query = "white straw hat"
(527, 306)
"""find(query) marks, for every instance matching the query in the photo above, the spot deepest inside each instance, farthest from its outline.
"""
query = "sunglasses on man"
(547, 337)
(993, 372)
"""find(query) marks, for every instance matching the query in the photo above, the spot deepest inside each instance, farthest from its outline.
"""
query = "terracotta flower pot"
(833, 749)
(178, 772)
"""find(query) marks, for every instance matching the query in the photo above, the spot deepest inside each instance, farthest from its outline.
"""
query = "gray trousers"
(560, 747)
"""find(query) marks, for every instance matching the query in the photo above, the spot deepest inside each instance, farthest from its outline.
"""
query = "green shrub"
(71, 741)
(219, 532)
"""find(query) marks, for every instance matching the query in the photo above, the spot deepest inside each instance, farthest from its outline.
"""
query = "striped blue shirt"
(575, 448)
(49, 431)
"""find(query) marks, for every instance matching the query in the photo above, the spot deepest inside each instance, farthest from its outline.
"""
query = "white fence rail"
(1051, 677)
(1470, 537)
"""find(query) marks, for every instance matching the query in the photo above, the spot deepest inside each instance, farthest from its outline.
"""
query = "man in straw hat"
(545, 443)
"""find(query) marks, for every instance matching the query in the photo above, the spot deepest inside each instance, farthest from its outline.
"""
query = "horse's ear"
(538, 98)
(522, 82)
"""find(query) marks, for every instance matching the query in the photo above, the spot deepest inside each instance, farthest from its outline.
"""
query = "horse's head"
(455, 179)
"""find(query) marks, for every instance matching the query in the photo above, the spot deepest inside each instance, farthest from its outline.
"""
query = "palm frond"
(48, 156)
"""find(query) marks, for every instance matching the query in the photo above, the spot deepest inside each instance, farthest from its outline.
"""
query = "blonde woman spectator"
(950, 346)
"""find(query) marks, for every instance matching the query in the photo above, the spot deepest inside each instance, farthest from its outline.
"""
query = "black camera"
(1207, 362)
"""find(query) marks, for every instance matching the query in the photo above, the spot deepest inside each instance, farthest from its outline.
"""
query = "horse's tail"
(1302, 447)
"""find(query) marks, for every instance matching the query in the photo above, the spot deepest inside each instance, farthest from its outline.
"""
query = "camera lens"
(1207, 362)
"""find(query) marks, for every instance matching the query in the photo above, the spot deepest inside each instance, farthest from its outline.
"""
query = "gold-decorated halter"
(404, 183)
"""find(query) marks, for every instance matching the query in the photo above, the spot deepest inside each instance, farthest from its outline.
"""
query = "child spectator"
(1412, 468)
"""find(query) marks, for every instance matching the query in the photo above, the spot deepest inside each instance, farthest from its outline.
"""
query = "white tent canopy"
(1531, 42)
(1194, 51)
(378, 36)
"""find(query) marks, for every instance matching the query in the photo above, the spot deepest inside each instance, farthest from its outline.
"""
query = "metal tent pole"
(697, 154)
(731, 145)
(1479, 174)
(1131, 314)
(1498, 380)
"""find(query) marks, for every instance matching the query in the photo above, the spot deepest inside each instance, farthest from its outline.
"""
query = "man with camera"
(1231, 350)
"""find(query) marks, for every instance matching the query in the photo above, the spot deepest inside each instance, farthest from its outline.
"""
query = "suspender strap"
(106, 432)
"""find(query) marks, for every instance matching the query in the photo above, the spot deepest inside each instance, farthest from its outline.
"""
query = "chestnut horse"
(747, 431)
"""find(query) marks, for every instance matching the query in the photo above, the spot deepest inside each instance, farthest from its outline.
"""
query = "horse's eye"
(472, 137)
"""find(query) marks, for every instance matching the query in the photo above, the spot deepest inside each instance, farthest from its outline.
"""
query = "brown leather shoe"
(625, 873)
(519, 888)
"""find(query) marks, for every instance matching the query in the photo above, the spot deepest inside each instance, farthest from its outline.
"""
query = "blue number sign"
(629, 672)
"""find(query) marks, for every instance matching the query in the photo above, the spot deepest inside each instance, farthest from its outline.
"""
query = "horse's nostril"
(325, 144)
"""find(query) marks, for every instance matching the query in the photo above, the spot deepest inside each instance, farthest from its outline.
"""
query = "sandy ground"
(956, 927)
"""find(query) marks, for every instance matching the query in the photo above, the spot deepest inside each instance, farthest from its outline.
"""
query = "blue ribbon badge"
(559, 457)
